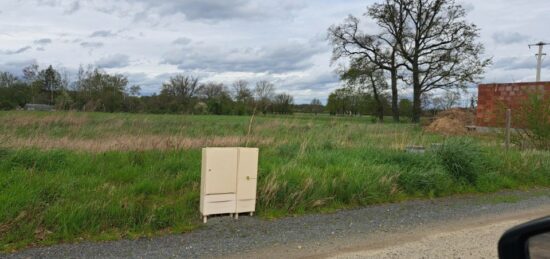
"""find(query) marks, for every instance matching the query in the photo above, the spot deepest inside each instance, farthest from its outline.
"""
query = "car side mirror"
(528, 240)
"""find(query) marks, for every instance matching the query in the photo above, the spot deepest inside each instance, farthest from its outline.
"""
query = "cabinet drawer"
(219, 197)
(219, 207)
(246, 205)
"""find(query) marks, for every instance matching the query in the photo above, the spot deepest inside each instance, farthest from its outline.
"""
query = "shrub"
(461, 159)
(534, 118)
(433, 182)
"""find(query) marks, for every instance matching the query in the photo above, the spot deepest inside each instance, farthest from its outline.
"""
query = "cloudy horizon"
(282, 41)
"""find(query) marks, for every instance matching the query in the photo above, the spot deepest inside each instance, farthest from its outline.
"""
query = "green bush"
(534, 119)
(461, 159)
(433, 182)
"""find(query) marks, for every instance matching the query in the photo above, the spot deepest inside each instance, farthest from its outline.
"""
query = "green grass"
(57, 187)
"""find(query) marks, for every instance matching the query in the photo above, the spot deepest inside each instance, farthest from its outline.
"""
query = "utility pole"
(539, 57)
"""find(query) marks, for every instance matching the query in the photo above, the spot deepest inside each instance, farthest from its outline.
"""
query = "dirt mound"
(451, 122)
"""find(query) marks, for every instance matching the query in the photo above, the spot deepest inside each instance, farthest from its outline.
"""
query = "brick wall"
(494, 99)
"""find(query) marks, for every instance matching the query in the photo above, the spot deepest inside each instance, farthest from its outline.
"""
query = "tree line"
(96, 90)
(420, 44)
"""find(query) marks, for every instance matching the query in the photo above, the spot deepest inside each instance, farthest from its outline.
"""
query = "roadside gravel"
(310, 235)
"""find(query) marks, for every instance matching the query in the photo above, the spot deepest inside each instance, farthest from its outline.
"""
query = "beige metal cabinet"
(219, 170)
(247, 173)
(228, 181)
(218, 181)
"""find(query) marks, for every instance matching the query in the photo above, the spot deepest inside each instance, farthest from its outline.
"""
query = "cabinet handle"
(248, 178)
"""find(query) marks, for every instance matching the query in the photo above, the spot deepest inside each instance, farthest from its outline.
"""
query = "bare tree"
(241, 91)
(451, 99)
(316, 106)
(446, 101)
(181, 86)
(366, 77)
(30, 72)
(7, 79)
(440, 47)
(380, 49)
(264, 92)
(135, 90)
(282, 103)
(212, 90)
(264, 89)
(51, 80)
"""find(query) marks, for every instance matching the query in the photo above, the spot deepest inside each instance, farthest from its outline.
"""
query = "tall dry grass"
(128, 143)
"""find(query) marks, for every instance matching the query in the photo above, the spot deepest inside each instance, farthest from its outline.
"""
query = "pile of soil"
(451, 122)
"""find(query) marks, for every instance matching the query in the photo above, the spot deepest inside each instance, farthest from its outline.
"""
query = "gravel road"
(437, 242)
(405, 229)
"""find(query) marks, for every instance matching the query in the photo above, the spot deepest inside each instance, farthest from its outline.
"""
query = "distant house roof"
(38, 107)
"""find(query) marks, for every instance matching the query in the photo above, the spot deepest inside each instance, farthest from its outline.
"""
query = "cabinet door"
(247, 173)
(220, 170)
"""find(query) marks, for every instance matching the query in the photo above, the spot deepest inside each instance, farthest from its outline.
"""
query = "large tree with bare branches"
(430, 38)
(380, 49)
(440, 48)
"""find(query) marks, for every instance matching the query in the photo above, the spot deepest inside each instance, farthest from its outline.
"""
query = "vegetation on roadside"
(534, 119)
(71, 176)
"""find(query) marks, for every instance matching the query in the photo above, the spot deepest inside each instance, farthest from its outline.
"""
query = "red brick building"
(494, 99)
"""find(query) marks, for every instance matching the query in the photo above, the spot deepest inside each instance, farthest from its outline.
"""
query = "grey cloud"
(72, 8)
(103, 34)
(321, 82)
(197, 9)
(91, 44)
(214, 10)
(17, 51)
(513, 63)
(182, 41)
(44, 41)
(113, 61)
(274, 59)
(508, 38)
(209, 10)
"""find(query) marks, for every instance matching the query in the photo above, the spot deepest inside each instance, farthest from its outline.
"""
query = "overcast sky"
(279, 40)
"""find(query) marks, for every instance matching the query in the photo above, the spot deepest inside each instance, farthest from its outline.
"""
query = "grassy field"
(66, 176)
